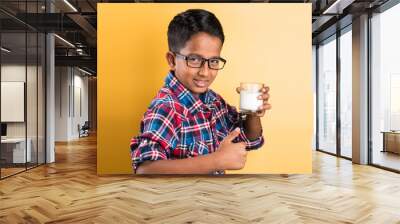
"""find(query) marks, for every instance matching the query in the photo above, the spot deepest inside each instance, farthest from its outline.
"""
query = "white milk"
(249, 101)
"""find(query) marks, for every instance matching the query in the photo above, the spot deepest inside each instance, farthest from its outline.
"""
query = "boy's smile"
(196, 80)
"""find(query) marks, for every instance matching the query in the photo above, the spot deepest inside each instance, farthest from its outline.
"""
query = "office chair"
(84, 130)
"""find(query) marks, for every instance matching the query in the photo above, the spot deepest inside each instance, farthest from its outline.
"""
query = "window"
(346, 93)
(385, 88)
(327, 95)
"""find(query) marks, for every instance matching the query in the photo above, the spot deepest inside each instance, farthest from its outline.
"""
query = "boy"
(188, 128)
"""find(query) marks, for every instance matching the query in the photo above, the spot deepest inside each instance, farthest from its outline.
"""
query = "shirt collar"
(186, 97)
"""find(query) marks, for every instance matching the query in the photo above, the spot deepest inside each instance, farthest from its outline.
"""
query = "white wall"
(71, 93)
(62, 81)
(33, 127)
(16, 73)
(81, 84)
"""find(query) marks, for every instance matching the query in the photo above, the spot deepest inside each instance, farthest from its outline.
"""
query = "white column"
(50, 92)
(50, 100)
(360, 90)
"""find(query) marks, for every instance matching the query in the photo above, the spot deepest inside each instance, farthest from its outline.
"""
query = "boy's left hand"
(265, 97)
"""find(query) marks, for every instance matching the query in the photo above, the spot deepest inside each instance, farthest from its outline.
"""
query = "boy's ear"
(170, 60)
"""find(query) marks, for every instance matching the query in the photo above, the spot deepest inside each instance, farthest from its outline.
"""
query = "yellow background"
(269, 43)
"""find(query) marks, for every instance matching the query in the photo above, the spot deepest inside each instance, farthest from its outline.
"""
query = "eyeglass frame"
(203, 60)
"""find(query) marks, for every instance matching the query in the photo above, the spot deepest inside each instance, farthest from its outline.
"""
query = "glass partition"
(22, 88)
(327, 95)
(346, 93)
(385, 89)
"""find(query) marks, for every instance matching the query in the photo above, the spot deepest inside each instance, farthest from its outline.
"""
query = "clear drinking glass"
(249, 92)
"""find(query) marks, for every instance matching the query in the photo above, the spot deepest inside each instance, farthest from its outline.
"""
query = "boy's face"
(197, 80)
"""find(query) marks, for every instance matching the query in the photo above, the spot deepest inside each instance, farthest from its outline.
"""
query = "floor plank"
(69, 191)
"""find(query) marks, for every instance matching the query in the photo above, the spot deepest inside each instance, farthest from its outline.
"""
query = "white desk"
(18, 150)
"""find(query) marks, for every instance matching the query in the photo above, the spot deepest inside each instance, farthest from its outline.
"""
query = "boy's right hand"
(231, 156)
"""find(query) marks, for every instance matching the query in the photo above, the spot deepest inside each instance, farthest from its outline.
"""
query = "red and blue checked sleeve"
(158, 135)
(236, 121)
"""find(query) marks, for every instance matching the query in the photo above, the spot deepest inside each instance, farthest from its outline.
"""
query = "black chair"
(84, 130)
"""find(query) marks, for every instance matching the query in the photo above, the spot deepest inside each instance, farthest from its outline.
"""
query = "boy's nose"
(204, 70)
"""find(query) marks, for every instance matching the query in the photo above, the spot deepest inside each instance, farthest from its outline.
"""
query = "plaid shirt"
(177, 125)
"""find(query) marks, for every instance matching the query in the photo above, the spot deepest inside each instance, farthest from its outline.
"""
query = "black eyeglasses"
(195, 61)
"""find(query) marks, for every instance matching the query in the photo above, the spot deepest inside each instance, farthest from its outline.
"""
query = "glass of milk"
(249, 92)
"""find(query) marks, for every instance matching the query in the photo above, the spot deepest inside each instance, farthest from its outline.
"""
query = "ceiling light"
(84, 71)
(65, 41)
(337, 7)
(71, 6)
(5, 50)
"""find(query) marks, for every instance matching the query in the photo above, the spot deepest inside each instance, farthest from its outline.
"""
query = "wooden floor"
(5, 172)
(69, 191)
(387, 159)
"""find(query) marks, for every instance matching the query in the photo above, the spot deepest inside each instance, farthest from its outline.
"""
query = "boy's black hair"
(186, 24)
